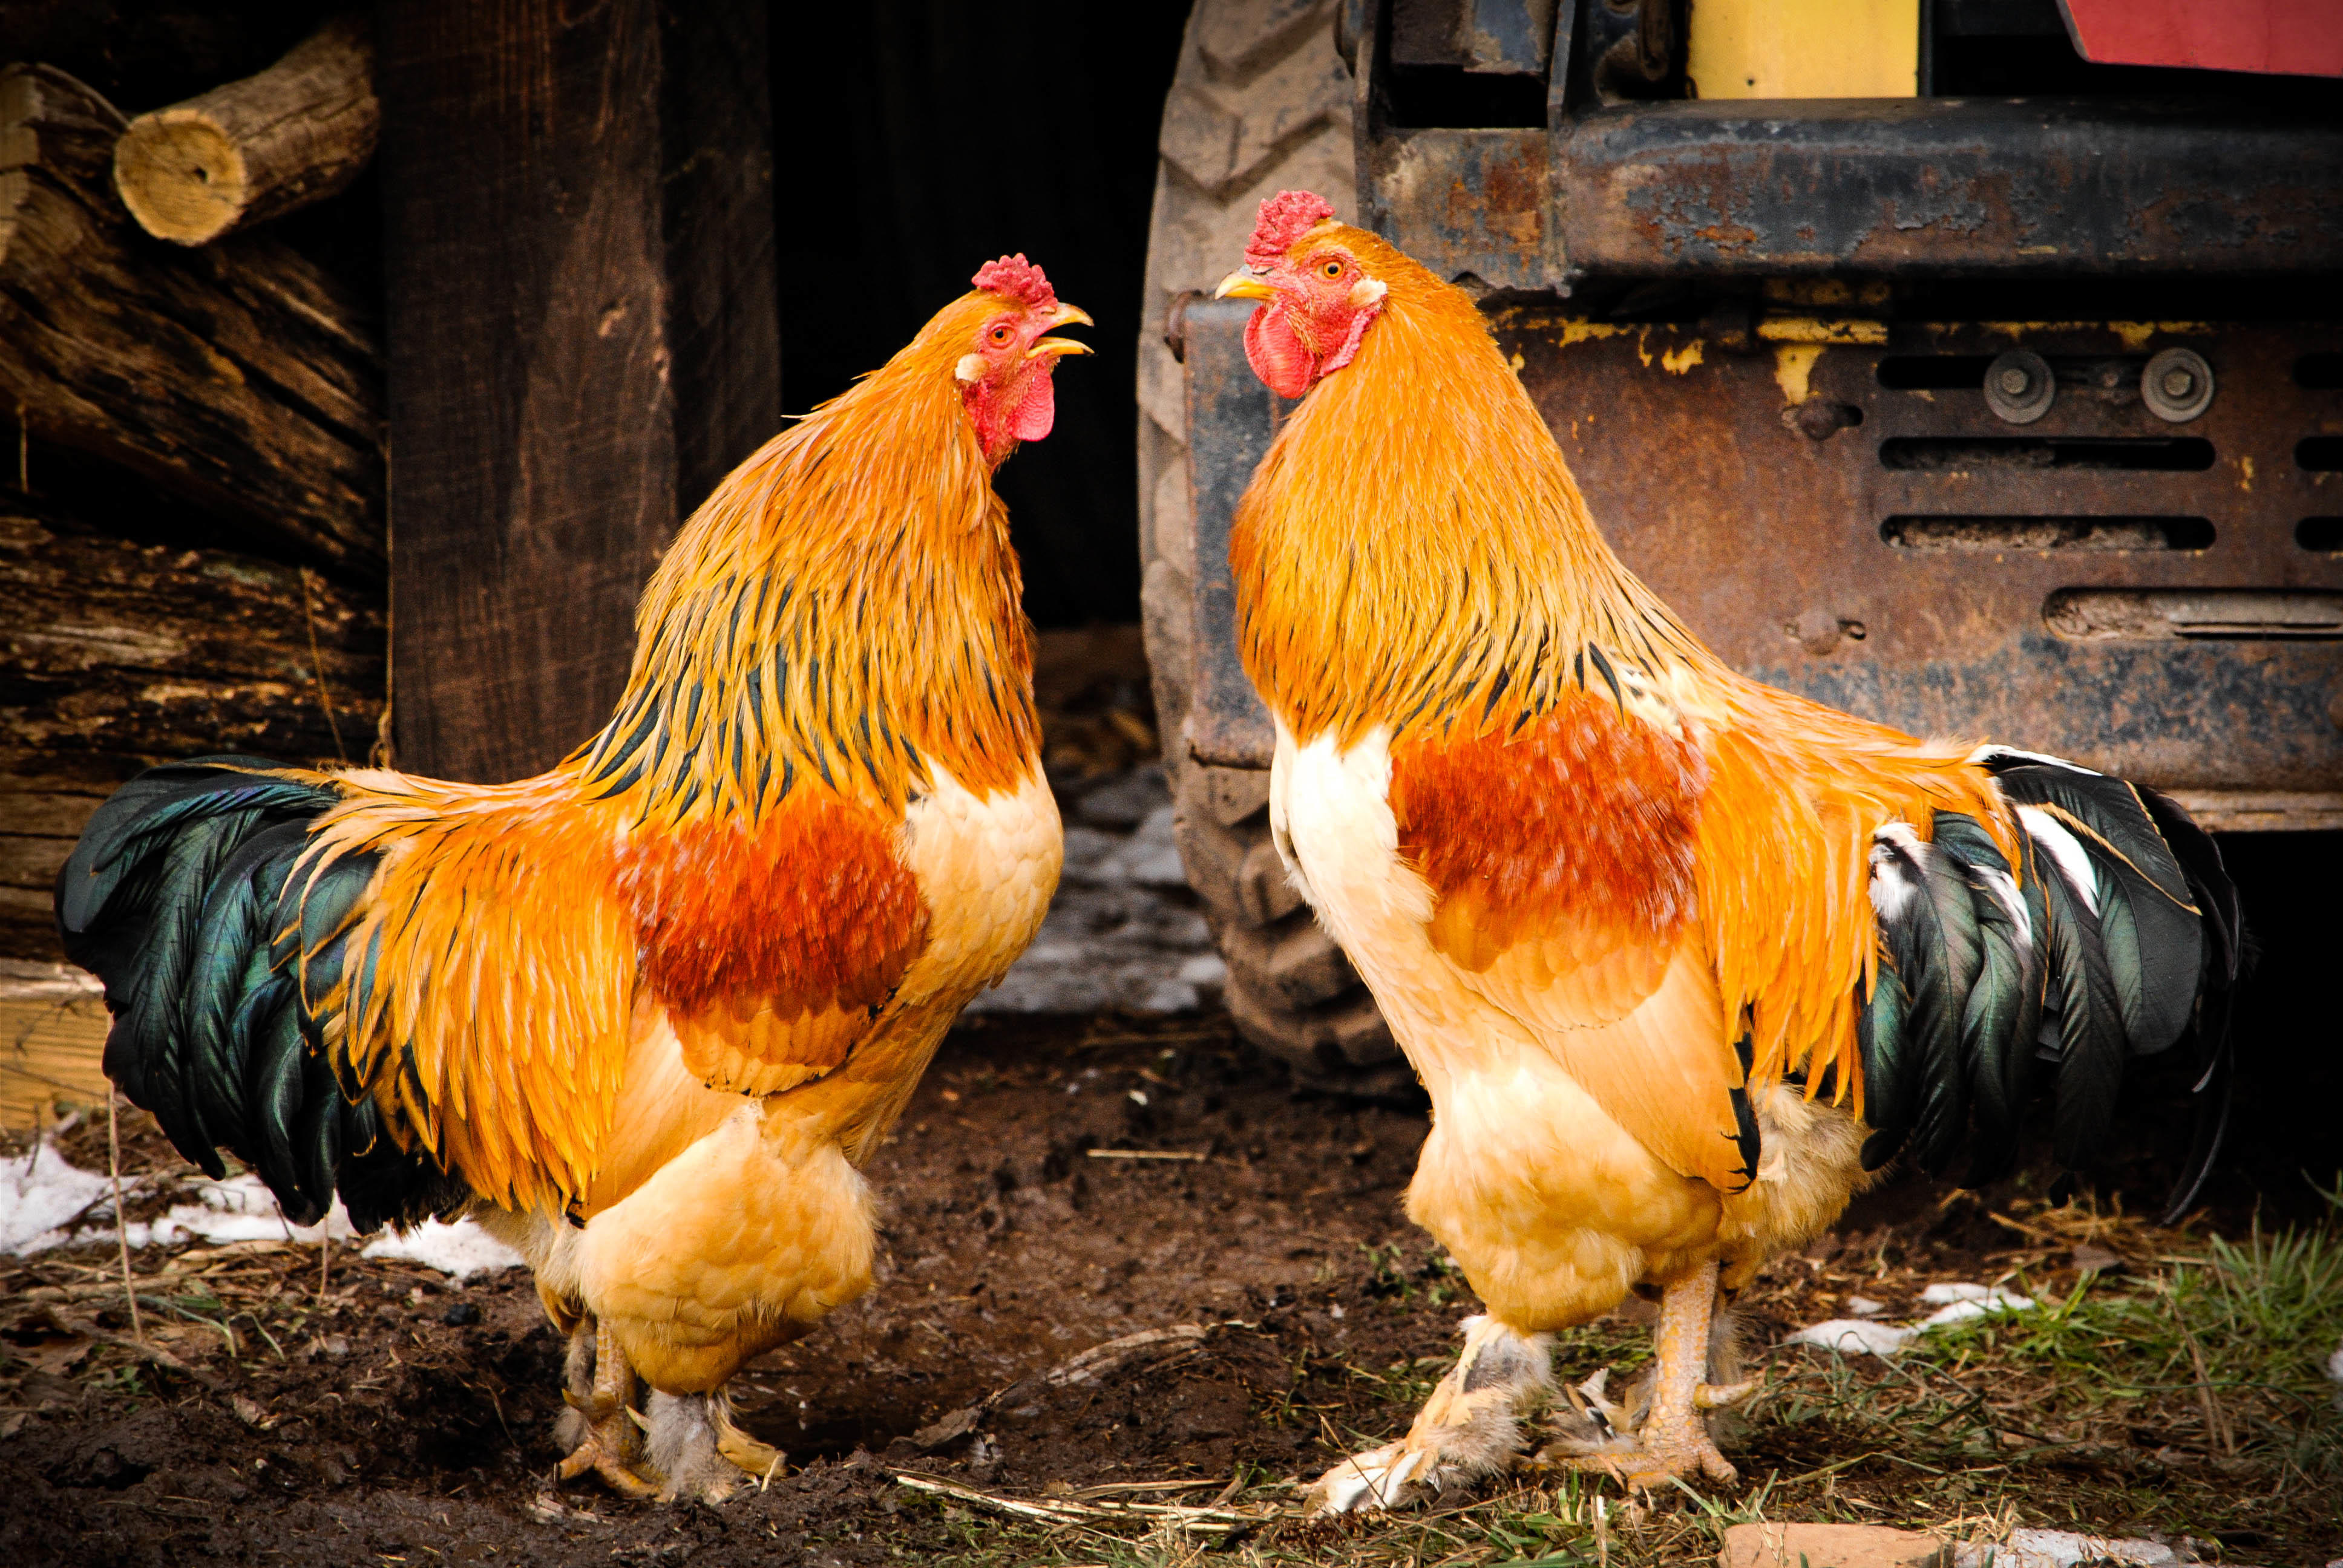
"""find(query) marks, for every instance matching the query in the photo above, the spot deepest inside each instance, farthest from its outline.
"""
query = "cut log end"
(182, 176)
(254, 149)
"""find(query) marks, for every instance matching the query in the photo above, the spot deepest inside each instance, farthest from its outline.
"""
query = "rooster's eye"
(999, 334)
(1330, 269)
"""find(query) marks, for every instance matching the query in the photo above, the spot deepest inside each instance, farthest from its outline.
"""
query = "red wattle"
(1037, 410)
(1277, 354)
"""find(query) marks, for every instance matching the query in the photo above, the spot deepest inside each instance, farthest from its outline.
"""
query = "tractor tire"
(1261, 102)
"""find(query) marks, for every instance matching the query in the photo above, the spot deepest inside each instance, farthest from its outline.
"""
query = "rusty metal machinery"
(1957, 413)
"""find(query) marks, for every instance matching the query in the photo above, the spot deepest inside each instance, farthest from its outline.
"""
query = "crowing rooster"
(1681, 958)
(648, 1013)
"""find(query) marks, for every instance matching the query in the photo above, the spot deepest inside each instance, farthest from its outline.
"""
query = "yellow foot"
(605, 1450)
(762, 1459)
(601, 1387)
(1647, 1461)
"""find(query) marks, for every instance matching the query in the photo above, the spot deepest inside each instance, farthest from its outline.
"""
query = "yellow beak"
(1047, 345)
(1243, 284)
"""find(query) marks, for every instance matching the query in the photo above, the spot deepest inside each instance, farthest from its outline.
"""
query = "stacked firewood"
(191, 554)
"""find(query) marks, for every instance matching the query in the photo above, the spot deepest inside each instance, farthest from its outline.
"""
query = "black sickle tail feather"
(181, 897)
(2225, 957)
(2116, 934)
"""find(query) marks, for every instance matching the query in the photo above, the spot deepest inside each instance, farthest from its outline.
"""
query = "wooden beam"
(254, 149)
(583, 338)
(238, 375)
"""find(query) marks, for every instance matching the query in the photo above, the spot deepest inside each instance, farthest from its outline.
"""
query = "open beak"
(1044, 346)
(1243, 284)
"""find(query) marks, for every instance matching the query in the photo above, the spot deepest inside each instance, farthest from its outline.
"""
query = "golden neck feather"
(843, 612)
(1413, 551)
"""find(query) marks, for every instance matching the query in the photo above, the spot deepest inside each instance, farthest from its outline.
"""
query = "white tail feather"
(2051, 836)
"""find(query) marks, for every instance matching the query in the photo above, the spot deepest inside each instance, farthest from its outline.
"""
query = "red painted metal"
(2281, 38)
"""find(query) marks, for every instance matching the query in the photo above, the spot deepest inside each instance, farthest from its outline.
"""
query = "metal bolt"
(2177, 385)
(2020, 386)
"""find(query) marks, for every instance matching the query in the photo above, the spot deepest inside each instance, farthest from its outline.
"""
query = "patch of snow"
(1865, 1335)
(1943, 1295)
(1962, 1302)
(460, 1250)
(40, 1193)
(240, 1209)
(1854, 1336)
(2061, 1549)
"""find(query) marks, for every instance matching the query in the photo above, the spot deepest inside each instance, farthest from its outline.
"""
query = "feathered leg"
(697, 1449)
(1469, 1428)
(1674, 1437)
(600, 1396)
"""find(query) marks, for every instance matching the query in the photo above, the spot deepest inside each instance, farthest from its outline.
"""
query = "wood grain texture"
(117, 656)
(238, 376)
(582, 340)
(52, 1024)
(253, 149)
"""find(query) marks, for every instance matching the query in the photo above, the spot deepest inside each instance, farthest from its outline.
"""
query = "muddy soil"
(399, 1418)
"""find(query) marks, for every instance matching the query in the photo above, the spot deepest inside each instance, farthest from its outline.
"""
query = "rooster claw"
(605, 1459)
(762, 1459)
(1709, 1396)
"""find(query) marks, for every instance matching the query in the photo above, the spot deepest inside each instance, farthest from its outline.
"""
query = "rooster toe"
(1391, 1476)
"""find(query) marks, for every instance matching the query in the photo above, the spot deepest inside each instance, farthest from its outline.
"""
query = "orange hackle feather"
(1570, 764)
(835, 627)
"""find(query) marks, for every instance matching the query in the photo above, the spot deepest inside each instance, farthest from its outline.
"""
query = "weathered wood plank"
(238, 374)
(52, 1024)
(115, 656)
(582, 338)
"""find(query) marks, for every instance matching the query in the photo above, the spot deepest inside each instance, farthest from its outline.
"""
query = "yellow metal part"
(1805, 48)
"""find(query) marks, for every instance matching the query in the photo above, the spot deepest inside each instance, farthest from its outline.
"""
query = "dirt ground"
(401, 1419)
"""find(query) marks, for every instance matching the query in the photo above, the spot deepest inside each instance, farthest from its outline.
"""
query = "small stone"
(1830, 1546)
(2090, 1258)
(461, 1315)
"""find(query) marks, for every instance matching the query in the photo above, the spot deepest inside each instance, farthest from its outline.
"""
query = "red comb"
(1019, 279)
(1284, 218)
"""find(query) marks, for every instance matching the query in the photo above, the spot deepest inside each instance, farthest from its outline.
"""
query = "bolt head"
(2015, 380)
(2178, 383)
